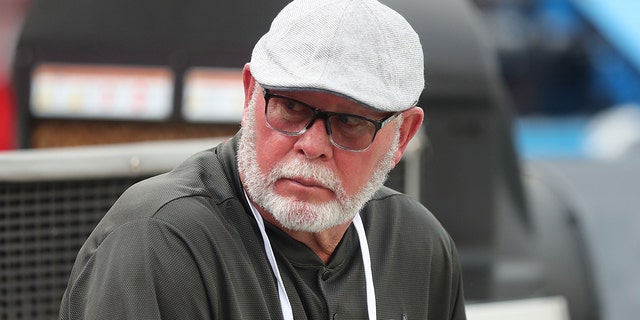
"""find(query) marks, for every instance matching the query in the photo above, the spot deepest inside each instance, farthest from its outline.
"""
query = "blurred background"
(570, 66)
(533, 118)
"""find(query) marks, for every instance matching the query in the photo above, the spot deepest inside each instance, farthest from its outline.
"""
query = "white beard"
(295, 214)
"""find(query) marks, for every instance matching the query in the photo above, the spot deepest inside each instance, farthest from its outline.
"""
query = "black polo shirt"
(184, 245)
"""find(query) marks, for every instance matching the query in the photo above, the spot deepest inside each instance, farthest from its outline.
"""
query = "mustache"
(303, 169)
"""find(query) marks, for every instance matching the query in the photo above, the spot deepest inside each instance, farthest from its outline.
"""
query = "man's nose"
(315, 142)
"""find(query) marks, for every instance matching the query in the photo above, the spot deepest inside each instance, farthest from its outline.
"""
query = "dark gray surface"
(607, 198)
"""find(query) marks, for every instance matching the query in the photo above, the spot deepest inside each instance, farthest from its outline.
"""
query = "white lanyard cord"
(366, 261)
(285, 304)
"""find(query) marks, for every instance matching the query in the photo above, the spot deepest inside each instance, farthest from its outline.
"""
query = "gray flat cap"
(359, 49)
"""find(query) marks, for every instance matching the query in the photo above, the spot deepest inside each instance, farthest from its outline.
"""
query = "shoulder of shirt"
(387, 197)
(203, 177)
(394, 211)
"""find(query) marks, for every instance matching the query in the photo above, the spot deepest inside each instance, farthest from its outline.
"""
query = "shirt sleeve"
(142, 270)
(458, 311)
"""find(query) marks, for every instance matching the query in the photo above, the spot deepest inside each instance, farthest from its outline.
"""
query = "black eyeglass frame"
(324, 115)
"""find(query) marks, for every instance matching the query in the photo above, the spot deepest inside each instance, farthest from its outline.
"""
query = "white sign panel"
(101, 91)
(213, 95)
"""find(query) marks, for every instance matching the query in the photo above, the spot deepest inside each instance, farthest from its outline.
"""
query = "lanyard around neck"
(285, 304)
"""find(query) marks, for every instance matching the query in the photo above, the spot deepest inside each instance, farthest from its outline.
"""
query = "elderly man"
(289, 219)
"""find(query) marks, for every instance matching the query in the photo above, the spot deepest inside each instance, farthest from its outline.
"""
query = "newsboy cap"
(358, 49)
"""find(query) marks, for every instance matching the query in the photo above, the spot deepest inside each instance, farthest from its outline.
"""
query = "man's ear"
(411, 122)
(249, 85)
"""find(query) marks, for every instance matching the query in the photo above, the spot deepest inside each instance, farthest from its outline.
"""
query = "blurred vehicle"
(573, 70)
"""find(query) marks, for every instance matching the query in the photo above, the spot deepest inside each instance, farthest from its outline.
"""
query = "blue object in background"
(550, 138)
(616, 56)
(618, 22)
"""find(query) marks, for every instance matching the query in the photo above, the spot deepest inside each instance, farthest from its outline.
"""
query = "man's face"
(305, 182)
